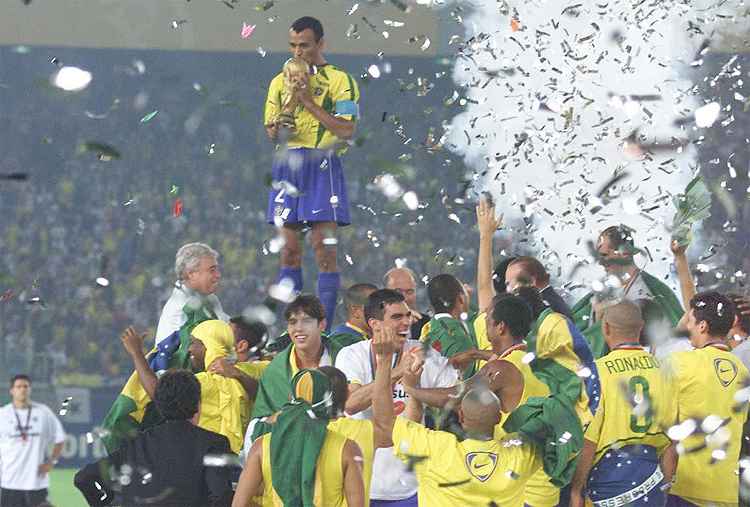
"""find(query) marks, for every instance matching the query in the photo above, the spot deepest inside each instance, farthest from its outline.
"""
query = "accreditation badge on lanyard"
(23, 429)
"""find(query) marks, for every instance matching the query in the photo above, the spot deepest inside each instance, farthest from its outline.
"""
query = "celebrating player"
(312, 114)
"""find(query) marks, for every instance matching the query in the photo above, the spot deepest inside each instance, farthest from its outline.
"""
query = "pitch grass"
(62, 492)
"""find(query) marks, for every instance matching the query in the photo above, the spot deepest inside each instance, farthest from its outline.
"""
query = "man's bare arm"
(133, 344)
(250, 484)
(488, 224)
(360, 396)
(354, 484)
(585, 462)
(383, 418)
(226, 369)
(687, 285)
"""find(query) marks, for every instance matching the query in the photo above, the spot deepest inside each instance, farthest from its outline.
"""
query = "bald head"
(480, 410)
(404, 281)
(622, 322)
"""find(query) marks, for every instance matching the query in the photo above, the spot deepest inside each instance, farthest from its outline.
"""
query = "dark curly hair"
(716, 310)
(178, 395)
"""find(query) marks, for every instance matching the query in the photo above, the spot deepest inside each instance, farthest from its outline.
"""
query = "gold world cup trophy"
(294, 71)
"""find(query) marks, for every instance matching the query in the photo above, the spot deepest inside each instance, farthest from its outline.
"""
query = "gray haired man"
(197, 268)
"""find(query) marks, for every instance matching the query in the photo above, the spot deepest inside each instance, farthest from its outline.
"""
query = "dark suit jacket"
(172, 453)
(556, 302)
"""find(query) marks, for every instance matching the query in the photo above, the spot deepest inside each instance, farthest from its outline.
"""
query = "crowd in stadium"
(502, 394)
(508, 398)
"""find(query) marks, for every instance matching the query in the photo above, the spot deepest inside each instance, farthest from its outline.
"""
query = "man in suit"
(529, 271)
(174, 463)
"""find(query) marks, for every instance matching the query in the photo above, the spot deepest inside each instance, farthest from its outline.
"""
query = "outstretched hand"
(132, 341)
(384, 342)
(486, 220)
(677, 248)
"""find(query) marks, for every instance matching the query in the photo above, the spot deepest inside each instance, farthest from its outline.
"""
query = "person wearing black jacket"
(529, 271)
(169, 465)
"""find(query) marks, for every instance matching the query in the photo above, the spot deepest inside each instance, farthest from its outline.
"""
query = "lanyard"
(629, 346)
(518, 346)
(718, 345)
(396, 359)
(24, 430)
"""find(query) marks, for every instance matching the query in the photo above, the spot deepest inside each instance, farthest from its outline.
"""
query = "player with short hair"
(308, 178)
(707, 380)
(626, 443)
(355, 298)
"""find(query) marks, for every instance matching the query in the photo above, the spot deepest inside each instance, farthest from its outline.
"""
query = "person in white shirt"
(27, 430)
(394, 484)
(198, 277)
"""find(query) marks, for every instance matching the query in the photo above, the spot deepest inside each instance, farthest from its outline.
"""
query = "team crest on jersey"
(318, 91)
(481, 464)
(726, 370)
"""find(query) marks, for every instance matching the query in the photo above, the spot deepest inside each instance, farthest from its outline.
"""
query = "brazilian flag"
(132, 410)
(665, 305)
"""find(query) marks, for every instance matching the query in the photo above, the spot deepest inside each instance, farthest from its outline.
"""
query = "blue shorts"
(629, 475)
(308, 186)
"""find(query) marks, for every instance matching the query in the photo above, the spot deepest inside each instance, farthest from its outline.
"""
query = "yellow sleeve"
(273, 101)
(553, 336)
(345, 95)
(254, 369)
(412, 440)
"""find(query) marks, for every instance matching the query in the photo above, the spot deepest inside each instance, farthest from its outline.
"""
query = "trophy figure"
(294, 69)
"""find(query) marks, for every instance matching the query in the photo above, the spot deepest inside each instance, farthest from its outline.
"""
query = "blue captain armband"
(347, 107)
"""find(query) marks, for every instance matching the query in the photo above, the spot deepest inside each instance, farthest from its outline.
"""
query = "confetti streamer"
(177, 208)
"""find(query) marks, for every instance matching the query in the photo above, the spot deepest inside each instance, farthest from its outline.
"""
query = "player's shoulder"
(330, 70)
(278, 80)
(355, 351)
(337, 76)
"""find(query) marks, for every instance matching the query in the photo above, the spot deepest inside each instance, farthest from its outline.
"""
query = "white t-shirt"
(391, 480)
(19, 458)
(172, 317)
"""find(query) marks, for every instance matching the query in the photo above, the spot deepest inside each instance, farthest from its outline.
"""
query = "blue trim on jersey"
(583, 351)
(347, 107)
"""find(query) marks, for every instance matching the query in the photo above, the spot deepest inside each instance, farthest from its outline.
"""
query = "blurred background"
(172, 117)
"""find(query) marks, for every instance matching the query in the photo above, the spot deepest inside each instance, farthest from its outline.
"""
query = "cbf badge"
(318, 91)
(481, 464)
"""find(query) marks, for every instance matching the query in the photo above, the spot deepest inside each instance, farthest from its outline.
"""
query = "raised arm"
(488, 224)
(133, 343)
(360, 396)
(687, 285)
(383, 418)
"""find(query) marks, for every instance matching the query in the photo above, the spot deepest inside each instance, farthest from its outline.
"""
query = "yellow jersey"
(332, 89)
(469, 472)
(539, 492)
(254, 370)
(362, 432)
(636, 406)
(329, 473)
(706, 381)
